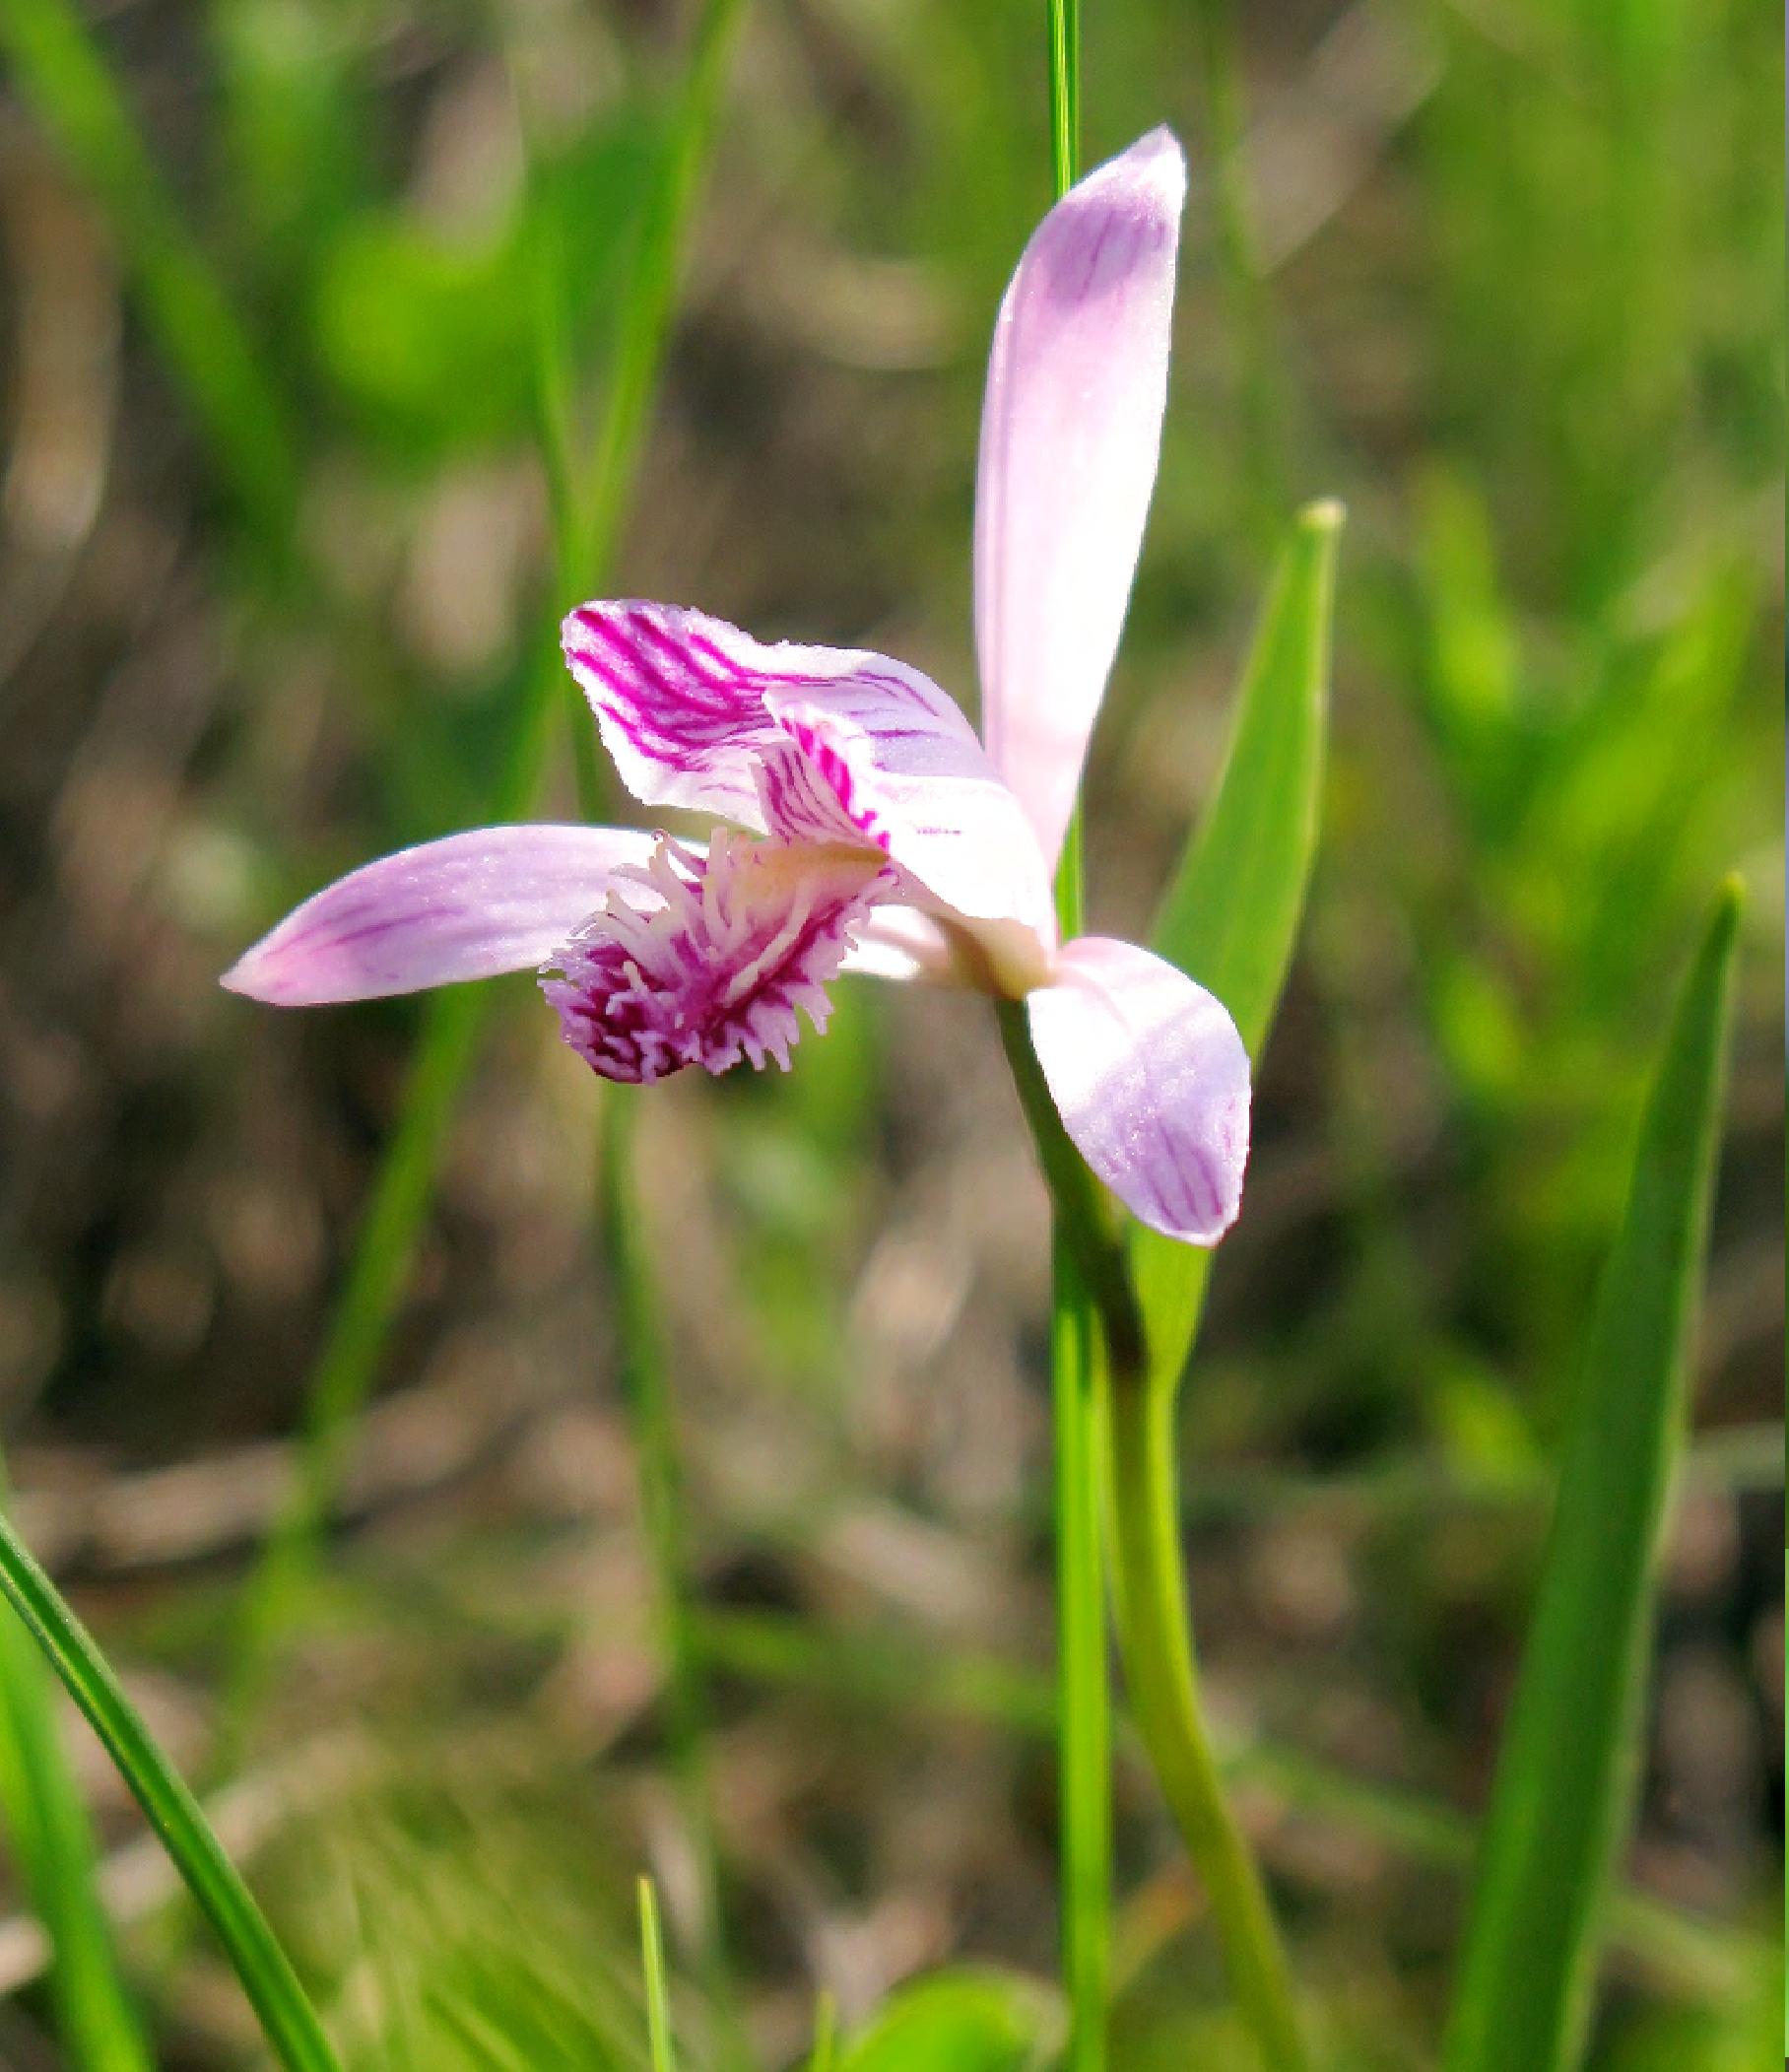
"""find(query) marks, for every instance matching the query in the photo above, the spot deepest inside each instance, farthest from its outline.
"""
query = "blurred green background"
(1506, 276)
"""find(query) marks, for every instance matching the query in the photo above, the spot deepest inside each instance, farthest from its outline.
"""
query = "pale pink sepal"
(1070, 433)
(1151, 1081)
(468, 907)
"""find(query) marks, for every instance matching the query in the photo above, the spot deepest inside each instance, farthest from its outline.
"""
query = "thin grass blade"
(62, 74)
(823, 2057)
(1231, 915)
(1565, 1777)
(453, 1020)
(287, 2019)
(658, 1993)
(53, 1839)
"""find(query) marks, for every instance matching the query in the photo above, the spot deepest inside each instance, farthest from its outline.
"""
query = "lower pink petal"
(468, 907)
(1151, 1081)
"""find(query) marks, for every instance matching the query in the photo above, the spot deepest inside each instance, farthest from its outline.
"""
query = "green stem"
(1064, 28)
(1154, 1637)
(1085, 1733)
(1084, 1744)
(287, 2017)
(652, 1415)
(1149, 1589)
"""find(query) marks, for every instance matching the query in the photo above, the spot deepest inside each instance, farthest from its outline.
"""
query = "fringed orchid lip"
(881, 834)
(705, 960)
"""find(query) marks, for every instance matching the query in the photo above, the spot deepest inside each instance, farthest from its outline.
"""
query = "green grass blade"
(53, 1839)
(1231, 915)
(658, 1993)
(1565, 1782)
(823, 2057)
(390, 1232)
(1687, 1953)
(287, 2017)
(399, 1203)
(63, 77)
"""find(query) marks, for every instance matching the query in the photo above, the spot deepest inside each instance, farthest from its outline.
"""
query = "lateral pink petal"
(1151, 1081)
(467, 906)
(1070, 433)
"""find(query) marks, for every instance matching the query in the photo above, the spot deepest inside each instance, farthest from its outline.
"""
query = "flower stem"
(1154, 1637)
(651, 1416)
(1137, 1432)
(1085, 1705)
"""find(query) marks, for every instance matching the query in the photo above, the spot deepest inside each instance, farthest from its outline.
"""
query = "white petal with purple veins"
(468, 907)
(1070, 433)
(1151, 1081)
(679, 701)
(907, 771)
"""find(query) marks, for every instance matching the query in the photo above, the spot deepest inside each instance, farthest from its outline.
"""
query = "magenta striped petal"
(817, 745)
(679, 700)
(468, 907)
(1070, 432)
(1151, 1080)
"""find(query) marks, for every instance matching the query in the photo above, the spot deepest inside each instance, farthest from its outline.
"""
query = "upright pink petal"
(492, 900)
(1070, 433)
(704, 959)
(1151, 1080)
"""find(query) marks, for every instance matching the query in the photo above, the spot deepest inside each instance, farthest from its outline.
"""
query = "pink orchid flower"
(867, 828)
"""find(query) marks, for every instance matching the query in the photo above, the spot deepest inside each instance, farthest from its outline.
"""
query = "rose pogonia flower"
(864, 827)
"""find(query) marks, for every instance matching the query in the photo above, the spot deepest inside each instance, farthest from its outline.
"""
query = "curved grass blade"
(1565, 1777)
(287, 2017)
(452, 1020)
(1231, 915)
(53, 1839)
